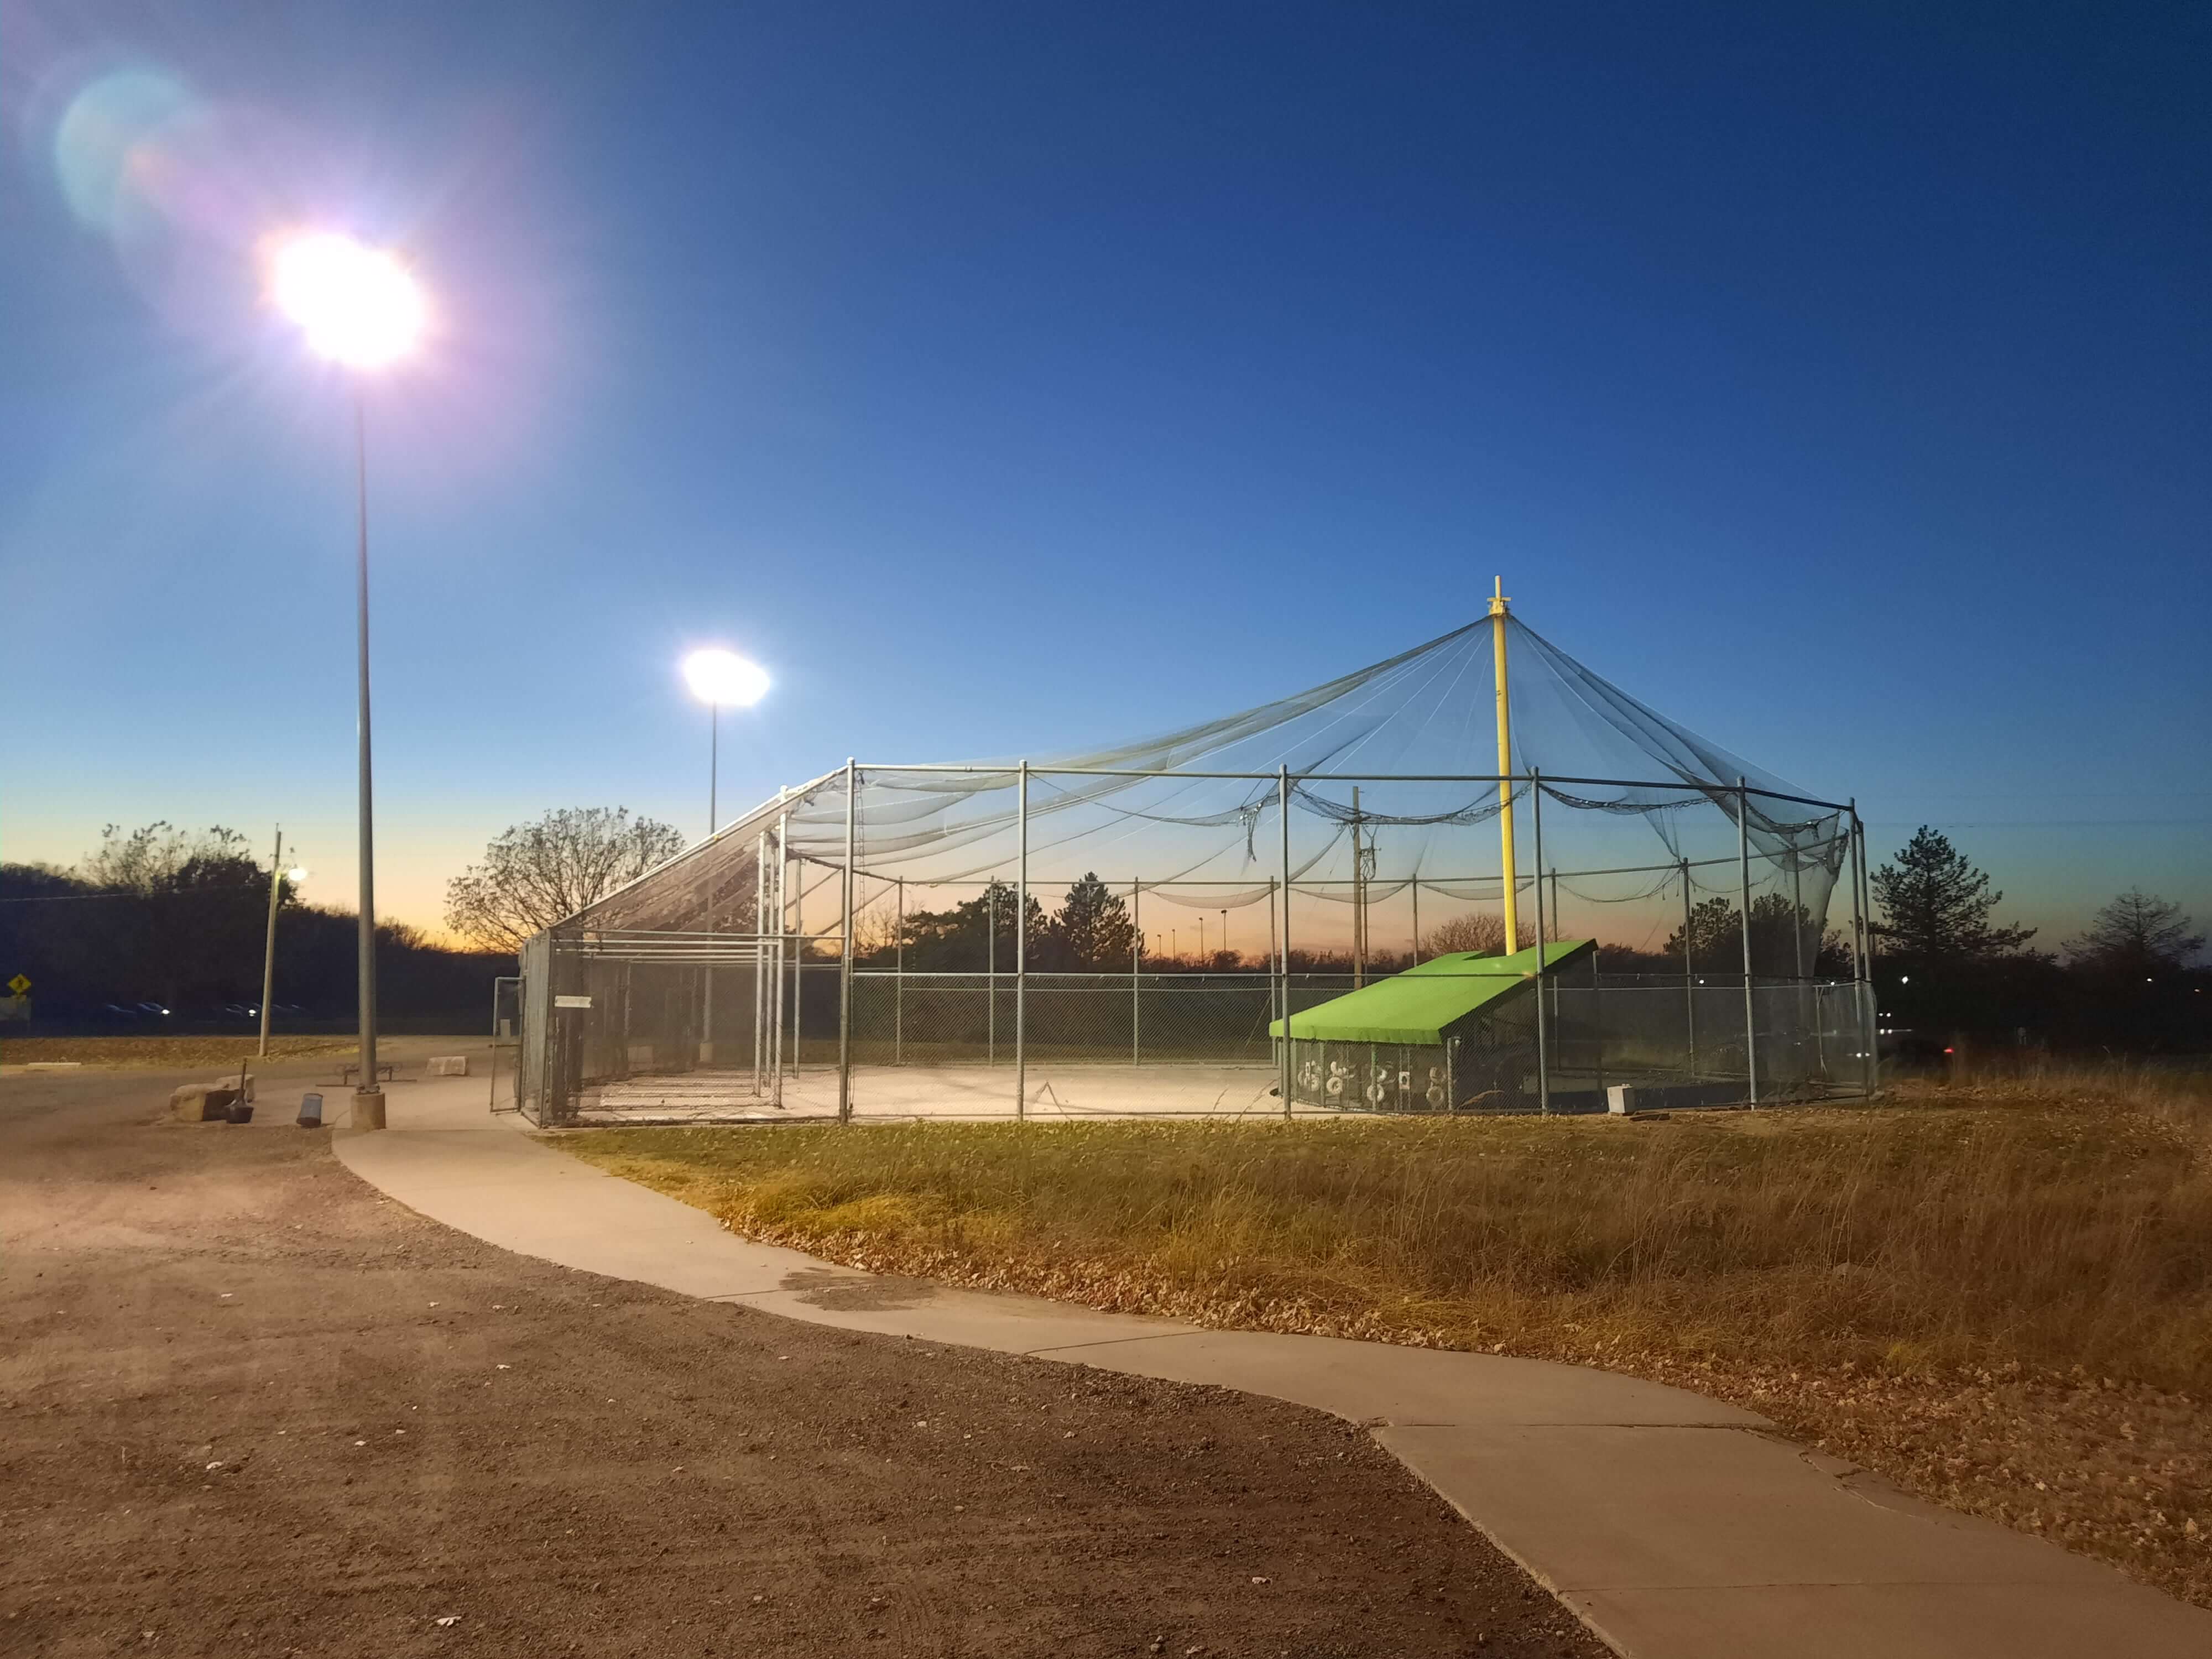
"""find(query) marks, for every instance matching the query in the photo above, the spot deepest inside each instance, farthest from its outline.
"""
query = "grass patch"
(2000, 1295)
(165, 1053)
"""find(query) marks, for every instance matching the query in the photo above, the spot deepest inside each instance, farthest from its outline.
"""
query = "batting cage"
(1474, 877)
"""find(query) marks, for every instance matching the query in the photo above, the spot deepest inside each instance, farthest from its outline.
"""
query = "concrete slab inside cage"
(1064, 1091)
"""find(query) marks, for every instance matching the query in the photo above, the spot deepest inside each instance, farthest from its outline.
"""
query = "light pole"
(721, 679)
(358, 307)
(718, 677)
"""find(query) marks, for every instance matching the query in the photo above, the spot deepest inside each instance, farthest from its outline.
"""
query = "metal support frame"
(782, 889)
(1021, 954)
(899, 1004)
(1283, 800)
(1543, 979)
(845, 948)
(1750, 997)
(1509, 863)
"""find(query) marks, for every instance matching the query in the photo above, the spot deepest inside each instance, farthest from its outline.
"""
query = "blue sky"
(1011, 379)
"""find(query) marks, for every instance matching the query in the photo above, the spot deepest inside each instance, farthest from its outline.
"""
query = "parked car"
(1903, 1046)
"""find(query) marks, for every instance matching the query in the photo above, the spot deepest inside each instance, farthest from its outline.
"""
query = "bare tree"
(156, 857)
(1478, 932)
(536, 874)
(2137, 932)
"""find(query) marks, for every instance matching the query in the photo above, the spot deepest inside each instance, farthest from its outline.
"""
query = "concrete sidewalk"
(1674, 1526)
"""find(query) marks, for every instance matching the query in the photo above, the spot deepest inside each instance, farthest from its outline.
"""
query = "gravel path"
(248, 1406)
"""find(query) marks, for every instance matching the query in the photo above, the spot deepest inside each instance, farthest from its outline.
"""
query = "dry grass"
(163, 1053)
(1999, 1293)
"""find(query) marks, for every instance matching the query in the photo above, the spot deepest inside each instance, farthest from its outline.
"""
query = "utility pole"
(268, 944)
(1358, 979)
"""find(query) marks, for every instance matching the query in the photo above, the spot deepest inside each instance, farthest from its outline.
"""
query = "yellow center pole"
(1497, 603)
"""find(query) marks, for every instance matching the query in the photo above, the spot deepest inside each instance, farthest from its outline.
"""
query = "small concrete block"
(449, 1066)
(1620, 1099)
(230, 1081)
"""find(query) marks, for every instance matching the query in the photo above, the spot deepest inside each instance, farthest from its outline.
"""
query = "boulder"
(202, 1103)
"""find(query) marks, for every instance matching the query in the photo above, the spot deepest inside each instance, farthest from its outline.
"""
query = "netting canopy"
(1346, 831)
(1196, 816)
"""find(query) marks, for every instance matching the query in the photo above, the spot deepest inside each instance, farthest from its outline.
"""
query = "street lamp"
(721, 679)
(718, 677)
(359, 307)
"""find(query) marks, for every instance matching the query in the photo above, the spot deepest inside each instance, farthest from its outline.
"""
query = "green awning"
(1420, 1005)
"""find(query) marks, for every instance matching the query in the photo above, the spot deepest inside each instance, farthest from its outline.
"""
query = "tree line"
(179, 919)
(2130, 982)
(163, 916)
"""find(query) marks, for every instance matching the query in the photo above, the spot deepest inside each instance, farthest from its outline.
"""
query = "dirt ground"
(248, 1406)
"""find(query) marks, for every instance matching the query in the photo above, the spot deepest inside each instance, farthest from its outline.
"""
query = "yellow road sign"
(18, 985)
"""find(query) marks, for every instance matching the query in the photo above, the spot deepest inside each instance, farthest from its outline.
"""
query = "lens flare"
(108, 139)
(725, 678)
(357, 305)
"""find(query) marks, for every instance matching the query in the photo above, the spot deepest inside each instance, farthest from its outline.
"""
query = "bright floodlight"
(357, 305)
(724, 678)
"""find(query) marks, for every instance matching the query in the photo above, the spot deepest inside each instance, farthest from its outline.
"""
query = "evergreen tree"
(2137, 933)
(1092, 928)
(1936, 905)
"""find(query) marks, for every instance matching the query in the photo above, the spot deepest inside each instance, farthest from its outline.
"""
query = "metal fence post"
(759, 958)
(782, 941)
(797, 867)
(1689, 977)
(1283, 801)
(1807, 995)
(1869, 999)
(1597, 1021)
(845, 953)
(1543, 1024)
(1750, 1002)
(1136, 951)
(1021, 954)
